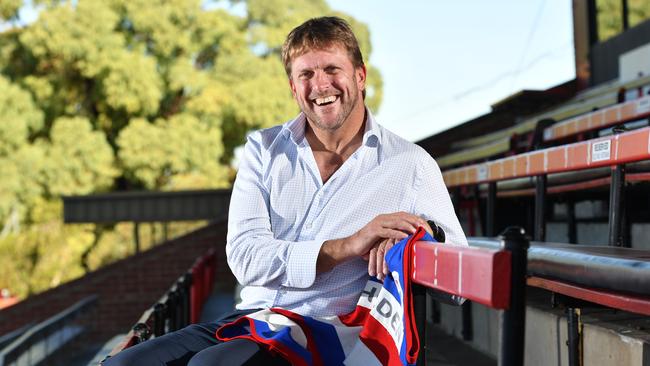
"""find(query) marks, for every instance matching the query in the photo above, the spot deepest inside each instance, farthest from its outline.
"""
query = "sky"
(446, 62)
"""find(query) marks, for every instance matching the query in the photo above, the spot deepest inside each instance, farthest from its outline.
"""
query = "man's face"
(327, 86)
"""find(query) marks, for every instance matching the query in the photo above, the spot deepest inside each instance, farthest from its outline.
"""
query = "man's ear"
(293, 87)
(361, 77)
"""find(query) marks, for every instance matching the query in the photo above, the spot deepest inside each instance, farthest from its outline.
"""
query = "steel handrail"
(43, 331)
(177, 307)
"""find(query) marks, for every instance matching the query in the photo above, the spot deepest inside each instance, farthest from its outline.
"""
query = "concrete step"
(446, 350)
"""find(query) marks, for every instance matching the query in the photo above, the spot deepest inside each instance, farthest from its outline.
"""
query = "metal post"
(592, 14)
(420, 310)
(184, 299)
(159, 319)
(490, 229)
(574, 330)
(513, 321)
(625, 15)
(467, 327)
(616, 205)
(141, 332)
(540, 208)
(171, 309)
(187, 302)
(571, 221)
(136, 236)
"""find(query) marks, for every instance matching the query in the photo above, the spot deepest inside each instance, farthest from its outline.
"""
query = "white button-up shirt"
(281, 213)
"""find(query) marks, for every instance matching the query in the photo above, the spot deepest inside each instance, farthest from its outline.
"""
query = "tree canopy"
(102, 95)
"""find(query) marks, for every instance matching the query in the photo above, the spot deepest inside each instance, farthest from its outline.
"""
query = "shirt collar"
(295, 130)
(372, 134)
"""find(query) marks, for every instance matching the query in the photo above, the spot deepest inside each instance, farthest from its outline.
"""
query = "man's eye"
(331, 70)
(305, 75)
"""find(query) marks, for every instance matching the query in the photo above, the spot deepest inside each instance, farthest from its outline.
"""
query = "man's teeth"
(321, 101)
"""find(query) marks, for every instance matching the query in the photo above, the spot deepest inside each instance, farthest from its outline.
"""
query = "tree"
(100, 95)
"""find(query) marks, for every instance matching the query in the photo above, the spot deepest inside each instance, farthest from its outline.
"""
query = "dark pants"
(196, 345)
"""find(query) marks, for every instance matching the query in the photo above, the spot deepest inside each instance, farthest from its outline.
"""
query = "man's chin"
(330, 123)
(327, 125)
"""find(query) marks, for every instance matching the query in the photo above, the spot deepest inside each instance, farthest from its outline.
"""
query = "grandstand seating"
(594, 108)
(179, 306)
(32, 345)
(622, 148)
(586, 149)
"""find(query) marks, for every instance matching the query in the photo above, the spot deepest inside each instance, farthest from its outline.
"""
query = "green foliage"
(45, 254)
(610, 16)
(158, 153)
(135, 94)
(19, 117)
(9, 8)
(80, 161)
(639, 11)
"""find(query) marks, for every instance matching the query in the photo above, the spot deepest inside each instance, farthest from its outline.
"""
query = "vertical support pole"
(435, 310)
(625, 15)
(136, 236)
(171, 304)
(152, 230)
(540, 208)
(420, 310)
(574, 329)
(467, 327)
(616, 205)
(490, 229)
(159, 319)
(182, 305)
(592, 15)
(188, 298)
(513, 321)
(571, 221)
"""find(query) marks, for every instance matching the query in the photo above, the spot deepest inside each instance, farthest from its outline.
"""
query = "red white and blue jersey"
(380, 331)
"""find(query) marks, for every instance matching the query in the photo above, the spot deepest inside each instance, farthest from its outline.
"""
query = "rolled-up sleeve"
(255, 256)
(433, 201)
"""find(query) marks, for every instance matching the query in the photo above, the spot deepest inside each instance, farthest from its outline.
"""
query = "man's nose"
(322, 81)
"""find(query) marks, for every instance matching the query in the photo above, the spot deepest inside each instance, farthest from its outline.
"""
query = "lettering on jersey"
(369, 294)
(388, 312)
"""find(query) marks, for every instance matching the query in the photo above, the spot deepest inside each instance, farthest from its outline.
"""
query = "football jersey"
(380, 331)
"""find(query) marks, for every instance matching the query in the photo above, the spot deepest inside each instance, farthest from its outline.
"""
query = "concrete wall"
(597, 234)
(609, 337)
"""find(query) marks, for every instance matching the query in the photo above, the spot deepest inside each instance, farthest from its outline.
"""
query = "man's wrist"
(332, 253)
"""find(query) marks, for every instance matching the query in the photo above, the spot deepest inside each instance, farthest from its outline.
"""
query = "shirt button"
(308, 226)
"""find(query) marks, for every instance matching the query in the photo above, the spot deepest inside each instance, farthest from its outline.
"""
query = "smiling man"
(316, 203)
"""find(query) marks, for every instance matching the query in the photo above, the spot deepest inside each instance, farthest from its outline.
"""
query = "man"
(313, 200)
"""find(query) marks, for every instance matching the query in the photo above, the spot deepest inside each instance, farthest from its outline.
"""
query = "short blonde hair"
(318, 34)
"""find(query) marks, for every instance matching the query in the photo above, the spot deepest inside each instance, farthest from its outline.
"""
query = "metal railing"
(40, 341)
(503, 268)
(180, 306)
(578, 276)
(615, 153)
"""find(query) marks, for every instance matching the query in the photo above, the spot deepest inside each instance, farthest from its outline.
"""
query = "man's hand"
(394, 226)
(377, 265)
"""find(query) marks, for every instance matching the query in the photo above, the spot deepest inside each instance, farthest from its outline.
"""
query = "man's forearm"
(333, 253)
